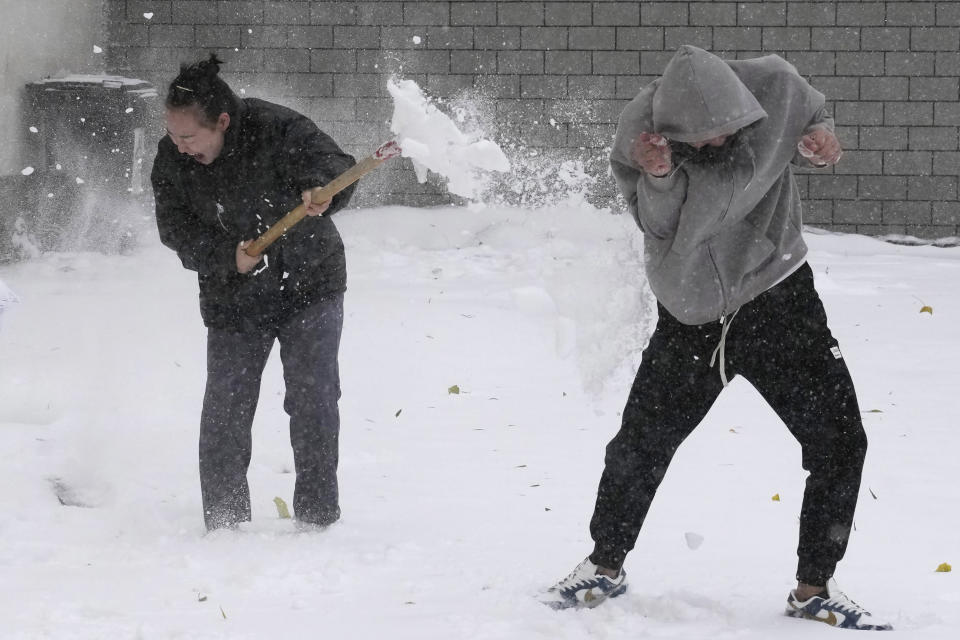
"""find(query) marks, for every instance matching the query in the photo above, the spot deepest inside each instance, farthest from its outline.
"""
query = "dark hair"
(198, 84)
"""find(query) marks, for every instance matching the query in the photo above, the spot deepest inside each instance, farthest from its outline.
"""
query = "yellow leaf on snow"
(944, 568)
(776, 497)
(454, 390)
(926, 309)
(282, 510)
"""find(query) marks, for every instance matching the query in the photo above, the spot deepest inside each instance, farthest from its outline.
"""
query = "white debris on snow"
(433, 142)
(26, 171)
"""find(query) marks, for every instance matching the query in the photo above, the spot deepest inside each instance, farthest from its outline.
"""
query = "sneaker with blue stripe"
(584, 588)
(834, 608)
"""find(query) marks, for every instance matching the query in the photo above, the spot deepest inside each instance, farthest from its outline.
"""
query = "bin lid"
(83, 81)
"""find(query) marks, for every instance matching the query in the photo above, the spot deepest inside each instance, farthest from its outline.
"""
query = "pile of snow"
(457, 508)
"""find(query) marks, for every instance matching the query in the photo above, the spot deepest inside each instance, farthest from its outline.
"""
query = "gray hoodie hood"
(716, 236)
(700, 97)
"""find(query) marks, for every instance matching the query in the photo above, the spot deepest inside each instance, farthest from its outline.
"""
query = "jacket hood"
(700, 97)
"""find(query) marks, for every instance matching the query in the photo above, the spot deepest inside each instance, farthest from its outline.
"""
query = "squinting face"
(193, 137)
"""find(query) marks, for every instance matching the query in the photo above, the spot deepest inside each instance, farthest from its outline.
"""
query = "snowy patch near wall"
(432, 140)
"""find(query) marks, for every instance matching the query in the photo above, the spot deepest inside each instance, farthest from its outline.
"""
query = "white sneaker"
(585, 588)
(836, 609)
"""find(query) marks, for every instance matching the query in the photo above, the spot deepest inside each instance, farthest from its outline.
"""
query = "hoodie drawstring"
(721, 347)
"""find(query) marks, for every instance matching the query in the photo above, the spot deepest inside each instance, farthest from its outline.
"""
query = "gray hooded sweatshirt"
(717, 236)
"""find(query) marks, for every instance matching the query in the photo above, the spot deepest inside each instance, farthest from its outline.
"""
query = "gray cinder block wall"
(554, 75)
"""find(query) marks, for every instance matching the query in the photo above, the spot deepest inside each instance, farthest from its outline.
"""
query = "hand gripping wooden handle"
(322, 194)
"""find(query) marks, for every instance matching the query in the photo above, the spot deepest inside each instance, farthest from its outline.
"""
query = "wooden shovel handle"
(322, 194)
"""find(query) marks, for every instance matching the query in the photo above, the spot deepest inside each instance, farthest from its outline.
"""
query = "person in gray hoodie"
(703, 156)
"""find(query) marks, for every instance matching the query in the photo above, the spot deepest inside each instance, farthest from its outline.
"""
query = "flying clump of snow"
(433, 142)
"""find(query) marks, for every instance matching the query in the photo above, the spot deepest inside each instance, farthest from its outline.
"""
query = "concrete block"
(333, 61)
(946, 114)
(286, 60)
(540, 86)
(543, 135)
(639, 39)
(902, 212)
(473, 62)
(379, 110)
(449, 37)
(166, 35)
(616, 14)
(616, 62)
(946, 89)
(263, 37)
(932, 188)
(861, 14)
(592, 87)
(665, 14)
(818, 212)
(473, 13)
(858, 113)
(856, 162)
(911, 63)
(835, 39)
(213, 37)
(359, 85)
(426, 13)
(908, 113)
(159, 12)
(543, 38)
(837, 87)
(591, 136)
(885, 39)
(379, 13)
(762, 14)
(310, 37)
(333, 13)
(448, 85)
(498, 38)
(860, 63)
(934, 39)
(522, 62)
(332, 109)
(394, 38)
(882, 187)
(832, 187)
(895, 88)
(737, 38)
(857, 211)
(697, 36)
(933, 138)
(520, 111)
(813, 63)
(883, 138)
(946, 213)
(907, 163)
(930, 231)
(947, 63)
(243, 13)
(520, 13)
(810, 14)
(195, 12)
(372, 61)
(592, 38)
(569, 62)
(568, 14)
(350, 37)
(911, 14)
(629, 86)
(786, 38)
(498, 86)
(426, 61)
(286, 12)
(948, 14)
(713, 14)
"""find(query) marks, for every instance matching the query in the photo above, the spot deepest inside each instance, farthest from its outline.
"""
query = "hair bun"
(211, 66)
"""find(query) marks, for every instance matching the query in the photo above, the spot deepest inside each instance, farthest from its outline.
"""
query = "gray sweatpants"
(309, 344)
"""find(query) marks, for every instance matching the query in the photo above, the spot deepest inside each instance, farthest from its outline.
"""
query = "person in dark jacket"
(703, 156)
(227, 170)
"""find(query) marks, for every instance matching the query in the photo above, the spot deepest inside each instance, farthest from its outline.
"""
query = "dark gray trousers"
(309, 345)
(781, 344)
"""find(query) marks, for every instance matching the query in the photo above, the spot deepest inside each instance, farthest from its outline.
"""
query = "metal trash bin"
(90, 139)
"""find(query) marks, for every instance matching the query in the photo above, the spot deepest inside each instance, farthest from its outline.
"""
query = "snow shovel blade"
(321, 194)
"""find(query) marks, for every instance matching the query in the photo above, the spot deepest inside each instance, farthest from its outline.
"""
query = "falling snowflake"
(416, 40)
(79, 180)
(34, 130)
(27, 171)
(148, 15)
(97, 49)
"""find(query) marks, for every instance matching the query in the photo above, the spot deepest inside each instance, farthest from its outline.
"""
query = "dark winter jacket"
(270, 155)
(715, 237)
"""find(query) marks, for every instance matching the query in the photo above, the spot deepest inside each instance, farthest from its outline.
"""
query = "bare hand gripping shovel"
(322, 194)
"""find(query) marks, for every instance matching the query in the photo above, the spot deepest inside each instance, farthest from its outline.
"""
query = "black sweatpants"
(309, 344)
(781, 344)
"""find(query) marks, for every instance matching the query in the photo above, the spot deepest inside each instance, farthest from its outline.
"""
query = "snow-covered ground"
(457, 508)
